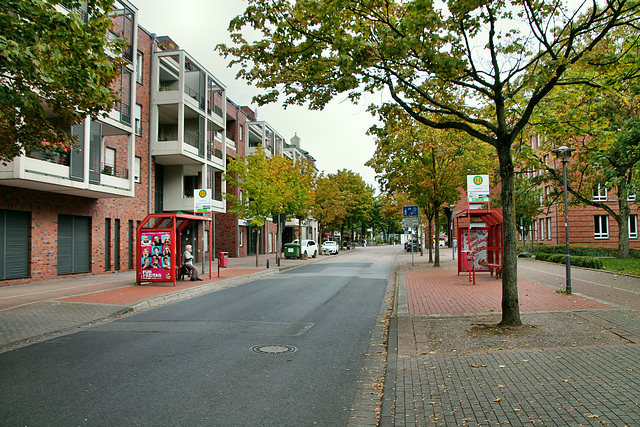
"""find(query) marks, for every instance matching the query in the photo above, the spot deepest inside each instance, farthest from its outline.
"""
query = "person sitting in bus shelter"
(187, 262)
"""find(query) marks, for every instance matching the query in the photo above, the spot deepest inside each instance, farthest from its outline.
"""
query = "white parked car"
(308, 247)
(330, 247)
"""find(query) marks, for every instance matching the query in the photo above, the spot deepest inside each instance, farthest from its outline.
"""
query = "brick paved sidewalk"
(448, 371)
(443, 291)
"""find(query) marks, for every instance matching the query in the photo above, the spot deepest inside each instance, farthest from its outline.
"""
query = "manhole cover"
(273, 349)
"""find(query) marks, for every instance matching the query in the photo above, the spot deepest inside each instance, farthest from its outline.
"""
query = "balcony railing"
(111, 170)
(60, 158)
(193, 94)
(216, 110)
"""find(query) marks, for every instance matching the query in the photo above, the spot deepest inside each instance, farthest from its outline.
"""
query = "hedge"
(585, 250)
(578, 260)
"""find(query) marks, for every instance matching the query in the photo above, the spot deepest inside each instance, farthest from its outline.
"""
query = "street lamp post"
(564, 153)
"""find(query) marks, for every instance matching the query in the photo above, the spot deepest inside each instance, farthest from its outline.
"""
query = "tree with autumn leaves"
(600, 116)
(269, 186)
(481, 68)
(429, 166)
(343, 202)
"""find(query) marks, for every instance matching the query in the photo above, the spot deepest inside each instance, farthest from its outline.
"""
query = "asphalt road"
(618, 289)
(195, 362)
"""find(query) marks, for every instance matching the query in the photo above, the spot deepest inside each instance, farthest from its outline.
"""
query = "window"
(191, 183)
(631, 198)
(542, 235)
(139, 62)
(599, 193)
(138, 119)
(109, 161)
(136, 169)
(633, 226)
(601, 226)
(240, 133)
(241, 238)
(549, 234)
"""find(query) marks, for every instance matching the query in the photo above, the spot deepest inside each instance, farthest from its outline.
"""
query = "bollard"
(267, 263)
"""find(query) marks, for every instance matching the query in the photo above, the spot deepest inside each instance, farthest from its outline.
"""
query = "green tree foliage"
(356, 197)
(260, 192)
(54, 71)
(478, 67)
(600, 118)
(428, 165)
(298, 183)
(328, 209)
(269, 186)
(342, 201)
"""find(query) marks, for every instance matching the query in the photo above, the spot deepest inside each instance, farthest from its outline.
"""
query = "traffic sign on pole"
(410, 211)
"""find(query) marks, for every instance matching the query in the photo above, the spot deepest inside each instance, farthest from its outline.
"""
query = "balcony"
(52, 173)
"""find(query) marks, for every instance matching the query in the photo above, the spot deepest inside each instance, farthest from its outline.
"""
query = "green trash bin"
(291, 250)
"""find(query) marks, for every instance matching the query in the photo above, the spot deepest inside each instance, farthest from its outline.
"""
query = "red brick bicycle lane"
(442, 291)
(130, 294)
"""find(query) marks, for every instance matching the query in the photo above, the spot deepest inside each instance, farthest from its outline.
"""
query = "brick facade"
(46, 204)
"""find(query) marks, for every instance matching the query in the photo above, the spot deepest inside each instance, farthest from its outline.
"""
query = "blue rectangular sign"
(409, 211)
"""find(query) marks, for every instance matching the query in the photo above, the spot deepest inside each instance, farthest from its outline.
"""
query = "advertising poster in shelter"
(155, 256)
(479, 239)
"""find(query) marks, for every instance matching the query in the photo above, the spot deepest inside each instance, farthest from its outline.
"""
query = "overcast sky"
(335, 137)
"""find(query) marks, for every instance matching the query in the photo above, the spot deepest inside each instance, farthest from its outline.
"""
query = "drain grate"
(273, 349)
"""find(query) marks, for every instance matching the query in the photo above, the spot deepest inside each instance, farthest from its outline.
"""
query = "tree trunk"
(437, 240)
(258, 247)
(299, 238)
(510, 303)
(623, 225)
(429, 239)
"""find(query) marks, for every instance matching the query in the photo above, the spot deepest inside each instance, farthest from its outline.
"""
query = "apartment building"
(76, 213)
(587, 224)
(173, 131)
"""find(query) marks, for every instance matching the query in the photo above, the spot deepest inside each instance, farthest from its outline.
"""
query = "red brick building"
(173, 131)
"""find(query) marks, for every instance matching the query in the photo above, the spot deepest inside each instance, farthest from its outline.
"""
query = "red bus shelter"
(159, 252)
(480, 238)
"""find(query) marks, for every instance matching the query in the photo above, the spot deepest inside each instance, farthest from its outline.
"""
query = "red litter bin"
(223, 259)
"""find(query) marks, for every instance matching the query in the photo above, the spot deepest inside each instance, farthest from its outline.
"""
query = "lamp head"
(564, 152)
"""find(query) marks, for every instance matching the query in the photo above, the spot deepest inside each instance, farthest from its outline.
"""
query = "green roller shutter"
(74, 244)
(14, 244)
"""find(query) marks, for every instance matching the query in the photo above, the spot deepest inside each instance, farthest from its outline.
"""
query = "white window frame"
(136, 169)
(549, 228)
(631, 198)
(633, 226)
(542, 235)
(602, 221)
(599, 197)
(109, 161)
(139, 65)
(138, 119)
(241, 237)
